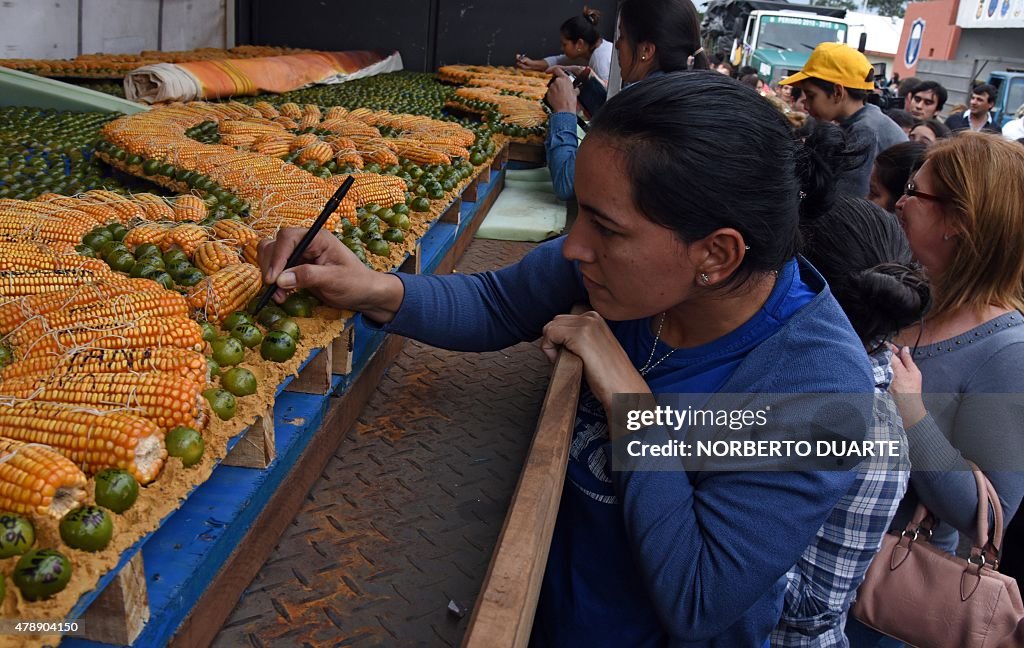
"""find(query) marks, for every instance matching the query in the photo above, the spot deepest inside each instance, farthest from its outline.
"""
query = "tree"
(889, 7)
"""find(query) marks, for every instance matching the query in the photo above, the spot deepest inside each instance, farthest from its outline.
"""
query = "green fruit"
(191, 277)
(144, 270)
(87, 528)
(298, 305)
(97, 238)
(403, 223)
(116, 489)
(476, 159)
(109, 247)
(270, 314)
(121, 261)
(178, 267)
(236, 318)
(212, 369)
(277, 346)
(209, 331)
(16, 535)
(147, 250)
(227, 351)
(187, 444)
(420, 204)
(393, 235)
(86, 251)
(164, 280)
(222, 402)
(379, 247)
(172, 256)
(247, 334)
(288, 326)
(41, 573)
(151, 167)
(239, 381)
(117, 231)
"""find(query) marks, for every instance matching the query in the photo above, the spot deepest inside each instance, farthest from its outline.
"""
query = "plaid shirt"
(822, 586)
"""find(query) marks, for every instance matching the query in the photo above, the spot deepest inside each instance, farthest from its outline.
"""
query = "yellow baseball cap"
(836, 63)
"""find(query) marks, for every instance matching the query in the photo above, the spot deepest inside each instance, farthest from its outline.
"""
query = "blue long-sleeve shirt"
(663, 558)
(561, 145)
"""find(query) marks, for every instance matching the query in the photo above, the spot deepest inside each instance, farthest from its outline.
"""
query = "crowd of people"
(727, 247)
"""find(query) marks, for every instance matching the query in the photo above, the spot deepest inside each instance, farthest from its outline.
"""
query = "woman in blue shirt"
(655, 37)
(696, 291)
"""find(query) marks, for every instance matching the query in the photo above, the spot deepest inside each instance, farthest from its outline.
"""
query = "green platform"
(22, 89)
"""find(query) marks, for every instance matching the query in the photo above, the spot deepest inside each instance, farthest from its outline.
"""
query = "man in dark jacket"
(978, 116)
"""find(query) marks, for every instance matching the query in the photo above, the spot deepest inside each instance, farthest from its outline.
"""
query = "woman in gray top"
(963, 213)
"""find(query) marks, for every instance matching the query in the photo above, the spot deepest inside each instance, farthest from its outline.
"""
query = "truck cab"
(1010, 95)
(778, 43)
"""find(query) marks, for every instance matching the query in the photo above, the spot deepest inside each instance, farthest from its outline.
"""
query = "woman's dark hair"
(934, 125)
(749, 80)
(826, 155)
(685, 138)
(671, 25)
(902, 118)
(857, 246)
(894, 165)
(583, 27)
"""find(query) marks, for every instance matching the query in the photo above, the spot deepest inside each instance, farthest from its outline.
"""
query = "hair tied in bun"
(591, 15)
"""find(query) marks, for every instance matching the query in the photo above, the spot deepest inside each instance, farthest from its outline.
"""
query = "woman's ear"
(718, 255)
(646, 50)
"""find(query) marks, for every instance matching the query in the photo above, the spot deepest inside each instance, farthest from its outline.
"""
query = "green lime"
(116, 489)
(379, 247)
(227, 351)
(277, 346)
(212, 369)
(121, 261)
(88, 528)
(288, 326)
(298, 305)
(117, 231)
(41, 573)
(187, 444)
(247, 334)
(270, 314)
(209, 331)
(222, 402)
(239, 381)
(190, 277)
(420, 204)
(236, 318)
(16, 534)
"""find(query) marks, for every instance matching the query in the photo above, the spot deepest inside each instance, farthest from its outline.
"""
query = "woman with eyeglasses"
(958, 375)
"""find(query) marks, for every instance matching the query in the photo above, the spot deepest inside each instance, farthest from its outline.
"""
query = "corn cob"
(309, 121)
(374, 188)
(36, 480)
(225, 291)
(15, 312)
(35, 256)
(154, 207)
(312, 110)
(31, 282)
(166, 399)
(349, 127)
(290, 109)
(189, 208)
(273, 147)
(318, 152)
(250, 252)
(234, 232)
(302, 141)
(144, 333)
(68, 227)
(287, 122)
(93, 440)
(267, 110)
(211, 256)
(336, 112)
(125, 208)
(190, 365)
(419, 153)
(154, 233)
(188, 237)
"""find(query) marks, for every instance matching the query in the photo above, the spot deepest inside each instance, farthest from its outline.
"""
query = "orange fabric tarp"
(236, 77)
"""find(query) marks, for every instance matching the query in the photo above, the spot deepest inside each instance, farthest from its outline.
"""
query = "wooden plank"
(341, 352)
(220, 598)
(315, 377)
(508, 600)
(522, 152)
(447, 264)
(472, 190)
(452, 215)
(122, 610)
(257, 449)
(501, 159)
(413, 265)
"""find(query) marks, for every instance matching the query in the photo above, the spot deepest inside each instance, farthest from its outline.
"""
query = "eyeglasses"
(911, 190)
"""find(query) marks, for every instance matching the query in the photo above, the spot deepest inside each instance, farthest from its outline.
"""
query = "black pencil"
(300, 249)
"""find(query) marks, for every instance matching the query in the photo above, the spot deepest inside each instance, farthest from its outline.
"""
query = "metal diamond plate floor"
(406, 515)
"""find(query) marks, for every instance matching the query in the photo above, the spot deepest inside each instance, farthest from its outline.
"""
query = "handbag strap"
(987, 544)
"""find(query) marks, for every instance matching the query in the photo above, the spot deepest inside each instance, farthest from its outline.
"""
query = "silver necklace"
(657, 337)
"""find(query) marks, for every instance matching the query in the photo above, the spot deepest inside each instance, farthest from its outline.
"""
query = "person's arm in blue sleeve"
(987, 425)
(561, 146)
(489, 310)
(709, 550)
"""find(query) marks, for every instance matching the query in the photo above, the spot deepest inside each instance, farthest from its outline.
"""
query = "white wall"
(66, 28)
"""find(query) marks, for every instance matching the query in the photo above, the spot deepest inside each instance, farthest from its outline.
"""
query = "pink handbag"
(928, 598)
